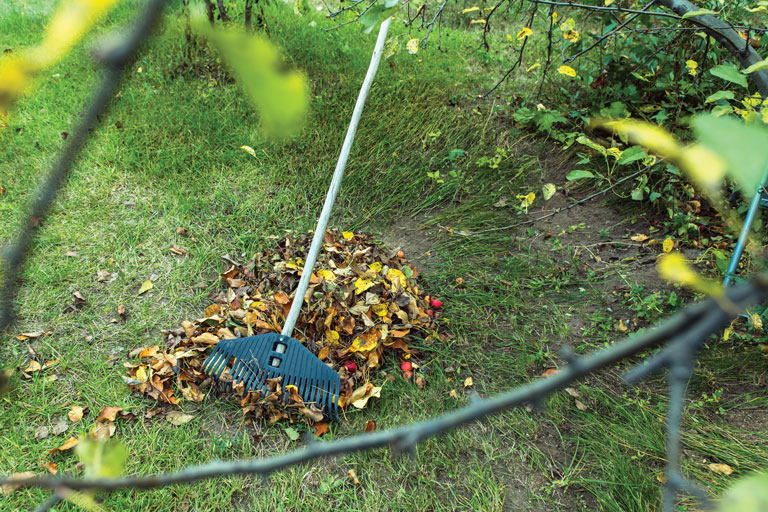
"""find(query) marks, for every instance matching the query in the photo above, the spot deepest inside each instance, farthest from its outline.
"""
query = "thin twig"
(560, 210)
(702, 318)
(599, 8)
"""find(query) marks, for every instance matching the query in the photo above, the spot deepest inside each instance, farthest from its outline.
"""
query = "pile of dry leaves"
(361, 305)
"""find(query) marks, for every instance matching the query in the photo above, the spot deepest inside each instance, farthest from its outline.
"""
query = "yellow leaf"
(142, 374)
(69, 23)
(327, 275)
(145, 287)
(534, 66)
(609, 2)
(640, 237)
(527, 199)
(654, 138)
(723, 469)
(548, 191)
(470, 9)
(727, 333)
(756, 321)
(692, 66)
(380, 309)
(396, 276)
(375, 266)
(359, 397)
(468, 382)
(332, 336)
(75, 414)
(412, 46)
(477, 21)
(571, 35)
(364, 343)
(554, 17)
(362, 284)
(249, 150)
(525, 32)
(567, 70)
(668, 245)
(674, 267)
(347, 234)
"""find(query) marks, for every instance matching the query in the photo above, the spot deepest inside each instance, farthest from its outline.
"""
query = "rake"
(256, 360)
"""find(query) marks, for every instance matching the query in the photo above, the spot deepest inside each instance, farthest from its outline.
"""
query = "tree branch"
(689, 329)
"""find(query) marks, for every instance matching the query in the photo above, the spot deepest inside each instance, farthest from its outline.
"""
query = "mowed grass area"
(166, 156)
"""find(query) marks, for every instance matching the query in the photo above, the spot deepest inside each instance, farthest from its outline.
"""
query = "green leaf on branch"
(377, 14)
(720, 95)
(280, 96)
(697, 12)
(743, 148)
(632, 154)
(579, 174)
(729, 73)
(757, 66)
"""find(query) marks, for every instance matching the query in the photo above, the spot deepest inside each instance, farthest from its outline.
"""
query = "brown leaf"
(108, 413)
(33, 366)
(8, 488)
(102, 430)
(282, 298)
(50, 467)
(353, 476)
(69, 443)
(178, 418)
(207, 338)
(27, 335)
(75, 414)
(181, 231)
(370, 426)
(312, 412)
(177, 250)
(321, 428)
(580, 406)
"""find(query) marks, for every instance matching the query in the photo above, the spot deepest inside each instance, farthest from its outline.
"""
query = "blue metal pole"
(733, 265)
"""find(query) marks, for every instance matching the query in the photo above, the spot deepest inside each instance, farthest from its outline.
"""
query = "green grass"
(175, 162)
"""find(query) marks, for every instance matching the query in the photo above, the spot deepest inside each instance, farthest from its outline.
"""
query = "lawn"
(168, 156)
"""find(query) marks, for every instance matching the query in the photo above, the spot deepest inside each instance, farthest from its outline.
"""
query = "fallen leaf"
(756, 321)
(640, 237)
(108, 413)
(468, 382)
(353, 476)
(207, 338)
(453, 394)
(146, 286)
(722, 469)
(549, 372)
(359, 398)
(321, 428)
(33, 366)
(42, 432)
(292, 433)
(178, 418)
(9, 487)
(60, 427)
(102, 430)
(29, 335)
(573, 392)
(580, 406)
(51, 467)
(668, 245)
(370, 426)
(68, 444)
(75, 414)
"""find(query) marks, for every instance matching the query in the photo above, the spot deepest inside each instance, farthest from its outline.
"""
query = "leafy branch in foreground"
(679, 337)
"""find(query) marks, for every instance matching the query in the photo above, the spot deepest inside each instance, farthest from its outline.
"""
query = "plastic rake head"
(258, 358)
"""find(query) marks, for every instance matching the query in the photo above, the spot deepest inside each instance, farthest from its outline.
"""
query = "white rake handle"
(333, 190)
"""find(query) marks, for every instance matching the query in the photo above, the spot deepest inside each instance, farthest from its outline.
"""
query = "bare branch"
(689, 328)
(114, 59)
